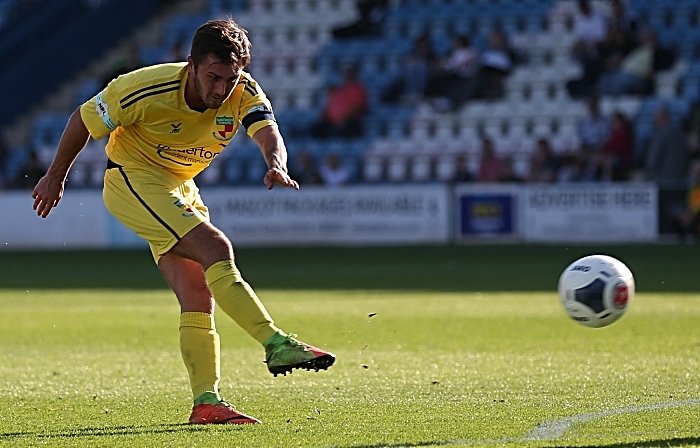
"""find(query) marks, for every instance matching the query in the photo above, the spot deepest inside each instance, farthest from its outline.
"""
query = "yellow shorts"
(155, 204)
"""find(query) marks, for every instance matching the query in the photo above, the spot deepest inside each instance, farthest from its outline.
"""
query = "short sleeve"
(255, 110)
(103, 113)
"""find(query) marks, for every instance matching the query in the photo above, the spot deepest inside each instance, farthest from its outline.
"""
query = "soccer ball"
(596, 290)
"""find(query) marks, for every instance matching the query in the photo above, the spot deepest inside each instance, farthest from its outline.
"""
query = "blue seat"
(234, 170)
(14, 161)
(181, 28)
(316, 148)
(152, 55)
(691, 89)
(682, 17)
(255, 170)
(643, 130)
(226, 6)
(87, 89)
(48, 128)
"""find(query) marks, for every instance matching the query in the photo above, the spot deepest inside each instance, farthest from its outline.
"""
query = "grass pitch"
(437, 346)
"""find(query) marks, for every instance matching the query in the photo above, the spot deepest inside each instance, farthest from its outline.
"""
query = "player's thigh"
(206, 244)
(156, 205)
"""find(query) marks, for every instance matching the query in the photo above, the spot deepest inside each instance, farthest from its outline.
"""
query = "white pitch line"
(556, 428)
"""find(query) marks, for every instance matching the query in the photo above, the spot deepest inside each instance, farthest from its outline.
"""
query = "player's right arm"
(49, 189)
(97, 117)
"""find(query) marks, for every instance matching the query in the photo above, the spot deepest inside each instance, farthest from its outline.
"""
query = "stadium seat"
(212, 175)
(445, 168)
(255, 170)
(233, 171)
(296, 57)
(79, 175)
(421, 167)
(373, 169)
(397, 169)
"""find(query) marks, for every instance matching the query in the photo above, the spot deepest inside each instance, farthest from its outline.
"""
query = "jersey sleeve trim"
(256, 116)
(255, 127)
(248, 88)
(103, 111)
(147, 94)
(154, 86)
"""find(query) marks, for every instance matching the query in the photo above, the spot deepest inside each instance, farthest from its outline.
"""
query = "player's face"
(214, 81)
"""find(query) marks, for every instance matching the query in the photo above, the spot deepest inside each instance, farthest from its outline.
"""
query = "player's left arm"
(272, 146)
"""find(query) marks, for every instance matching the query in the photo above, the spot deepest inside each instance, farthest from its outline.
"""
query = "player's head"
(224, 40)
(220, 51)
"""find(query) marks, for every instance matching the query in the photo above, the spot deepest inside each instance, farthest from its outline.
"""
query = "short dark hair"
(224, 40)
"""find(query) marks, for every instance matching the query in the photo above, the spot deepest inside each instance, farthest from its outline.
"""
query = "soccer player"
(166, 123)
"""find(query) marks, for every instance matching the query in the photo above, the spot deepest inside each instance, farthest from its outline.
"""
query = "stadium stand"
(296, 59)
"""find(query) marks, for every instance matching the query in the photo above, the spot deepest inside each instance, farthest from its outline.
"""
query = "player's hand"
(47, 193)
(276, 176)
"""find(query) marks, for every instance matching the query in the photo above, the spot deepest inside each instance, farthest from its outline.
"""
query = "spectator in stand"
(490, 164)
(333, 172)
(588, 25)
(462, 173)
(668, 161)
(304, 169)
(130, 62)
(29, 175)
(687, 219)
(454, 80)
(417, 69)
(543, 164)
(177, 53)
(634, 74)
(372, 14)
(570, 168)
(617, 45)
(618, 153)
(496, 63)
(508, 173)
(593, 131)
(621, 38)
(3, 165)
(345, 111)
(668, 156)
(590, 30)
(623, 19)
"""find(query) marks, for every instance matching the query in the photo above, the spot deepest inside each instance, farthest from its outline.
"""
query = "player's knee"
(221, 244)
(205, 244)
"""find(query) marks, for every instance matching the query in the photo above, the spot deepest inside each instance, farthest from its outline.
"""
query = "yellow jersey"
(150, 124)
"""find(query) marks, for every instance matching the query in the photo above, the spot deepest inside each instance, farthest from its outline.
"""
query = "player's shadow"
(108, 431)
(685, 441)
(676, 441)
(414, 444)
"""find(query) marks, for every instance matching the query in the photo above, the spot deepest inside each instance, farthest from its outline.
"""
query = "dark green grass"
(658, 268)
(459, 345)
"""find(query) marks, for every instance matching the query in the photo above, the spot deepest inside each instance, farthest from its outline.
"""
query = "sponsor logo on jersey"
(187, 156)
(102, 109)
(224, 128)
(189, 211)
(176, 128)
(258, 108)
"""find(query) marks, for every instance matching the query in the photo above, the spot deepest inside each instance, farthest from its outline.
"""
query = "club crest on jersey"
(184, 206)
(224, 128)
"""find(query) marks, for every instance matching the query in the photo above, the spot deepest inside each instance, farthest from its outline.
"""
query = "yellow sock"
(199, 344)
(238, 300)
